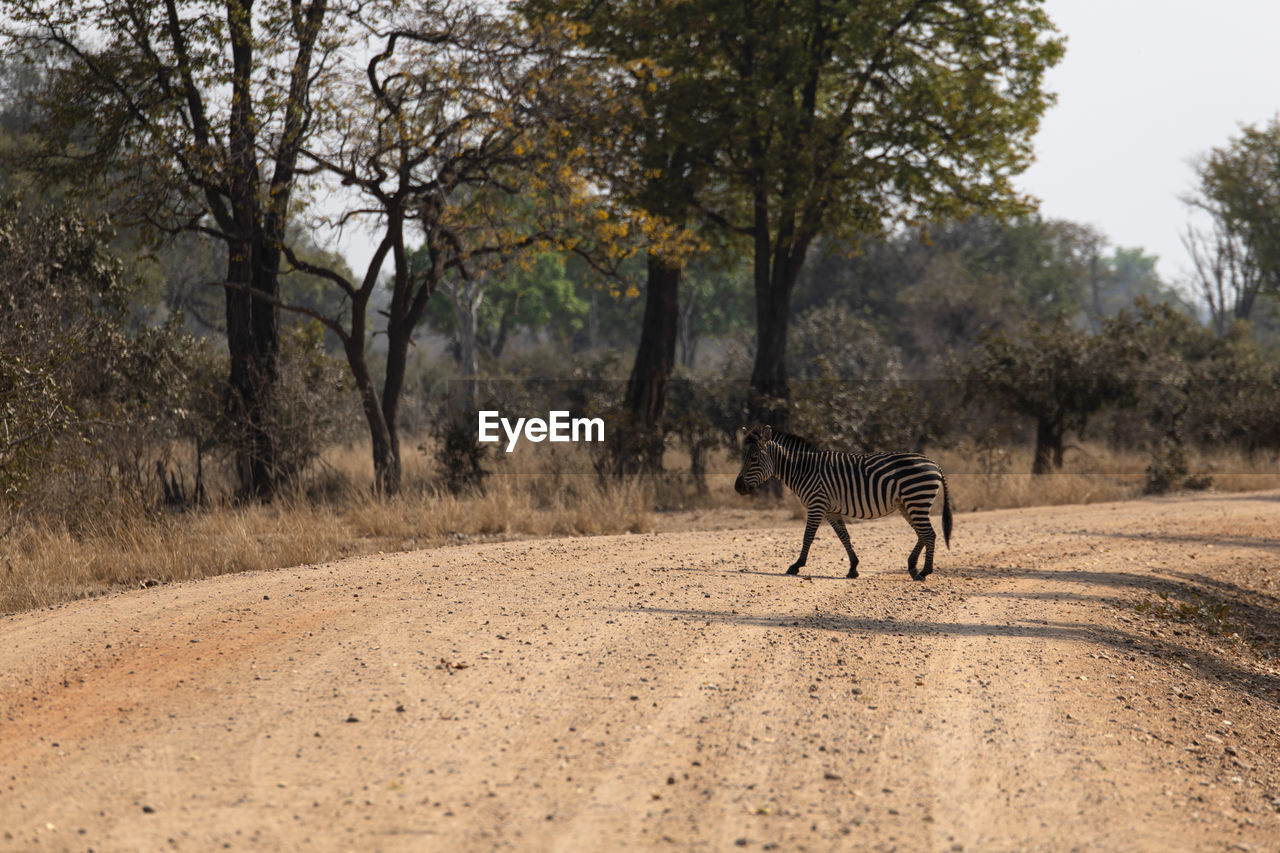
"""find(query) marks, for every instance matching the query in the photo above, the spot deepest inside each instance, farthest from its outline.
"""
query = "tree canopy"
(833, 117)
(1238, 256)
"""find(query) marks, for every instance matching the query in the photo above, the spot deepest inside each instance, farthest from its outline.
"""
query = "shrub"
(851, 391)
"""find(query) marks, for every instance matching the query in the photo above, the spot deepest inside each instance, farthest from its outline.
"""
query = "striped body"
(834, 485)
(861, 486)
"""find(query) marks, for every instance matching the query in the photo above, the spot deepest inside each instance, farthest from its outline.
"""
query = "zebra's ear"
(766, 433)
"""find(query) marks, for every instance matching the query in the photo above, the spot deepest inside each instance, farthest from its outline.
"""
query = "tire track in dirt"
(667, 691)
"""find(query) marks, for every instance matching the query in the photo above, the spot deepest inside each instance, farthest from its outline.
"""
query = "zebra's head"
(757, 462)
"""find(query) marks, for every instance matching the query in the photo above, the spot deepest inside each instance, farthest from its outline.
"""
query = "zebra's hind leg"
(911, 561)
(811, 522)
(925, 538)
(923, 543)
(837, 524)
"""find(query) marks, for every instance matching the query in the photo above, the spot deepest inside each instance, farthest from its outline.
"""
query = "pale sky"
(1145, 87)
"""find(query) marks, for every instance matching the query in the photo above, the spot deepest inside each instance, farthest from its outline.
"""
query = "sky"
(1145, 87)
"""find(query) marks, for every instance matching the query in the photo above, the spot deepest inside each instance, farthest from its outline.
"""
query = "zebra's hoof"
(915, 576)
(794, 570)
(853, 573)
(920, 577)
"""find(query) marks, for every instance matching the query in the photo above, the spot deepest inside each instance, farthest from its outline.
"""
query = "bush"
(850, 390)
(102, 409)
(68, 368)
(1196, 388)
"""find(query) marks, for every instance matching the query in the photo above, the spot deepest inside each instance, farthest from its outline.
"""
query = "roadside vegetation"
(333, 512)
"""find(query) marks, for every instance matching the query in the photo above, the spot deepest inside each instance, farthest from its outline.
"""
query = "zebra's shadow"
(1208, 663)
(764, 573)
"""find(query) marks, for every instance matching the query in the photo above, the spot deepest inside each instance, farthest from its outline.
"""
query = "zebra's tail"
(946, 513)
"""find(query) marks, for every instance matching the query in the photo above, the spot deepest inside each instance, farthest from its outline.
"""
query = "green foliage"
(96, 405)
(1033, 265)
(528, 295)
(799, 95)
(314, 406)
(1133, 276)
(539, 175)
(59, 294)
(937, 290)
(193, 115)
(784, 120)
(715, 302)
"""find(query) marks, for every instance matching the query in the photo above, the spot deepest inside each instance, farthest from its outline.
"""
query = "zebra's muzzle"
(740, 486)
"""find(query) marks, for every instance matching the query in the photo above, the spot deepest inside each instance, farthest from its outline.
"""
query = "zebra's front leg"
(837, 524)
(810, 528)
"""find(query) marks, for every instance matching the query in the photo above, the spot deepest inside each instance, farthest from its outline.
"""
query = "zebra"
(832, 485)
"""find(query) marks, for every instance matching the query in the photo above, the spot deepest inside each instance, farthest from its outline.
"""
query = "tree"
(1226, 272)
(1194, 385)
(1130, 276)
(531, 295)
(199, 111)
(1239, 256)
(714, 301)
(986, 272)
(851, 391)
(1054, 374)
(454, 131)
(843, 118)
(782, 120)
(643, 154)
(932, 291)
(54, 275)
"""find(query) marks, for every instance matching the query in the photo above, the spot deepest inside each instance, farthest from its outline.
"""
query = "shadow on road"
(1193, 542)
(1177, 600)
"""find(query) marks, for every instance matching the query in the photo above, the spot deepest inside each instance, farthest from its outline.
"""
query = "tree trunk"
(392, 386)
(639, 442)
(407, 305)
(253, 346)
(776, 268)
(688, 337)
(1048, 453)
(467, 296)
(386, 450)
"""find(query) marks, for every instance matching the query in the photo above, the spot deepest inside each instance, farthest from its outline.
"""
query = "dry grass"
(537, 491)
(996, 478)
(334, 516)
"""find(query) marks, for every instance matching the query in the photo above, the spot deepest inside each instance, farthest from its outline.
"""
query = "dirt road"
(1066, 680)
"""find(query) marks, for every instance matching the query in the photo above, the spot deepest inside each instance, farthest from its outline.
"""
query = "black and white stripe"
(833, 485)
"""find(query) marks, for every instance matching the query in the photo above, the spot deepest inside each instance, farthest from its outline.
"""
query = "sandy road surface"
(674, 691)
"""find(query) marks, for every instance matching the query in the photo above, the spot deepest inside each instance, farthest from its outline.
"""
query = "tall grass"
(332, 515)
(539, 490)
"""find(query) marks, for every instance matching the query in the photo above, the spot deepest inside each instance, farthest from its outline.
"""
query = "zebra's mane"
(785, 440)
